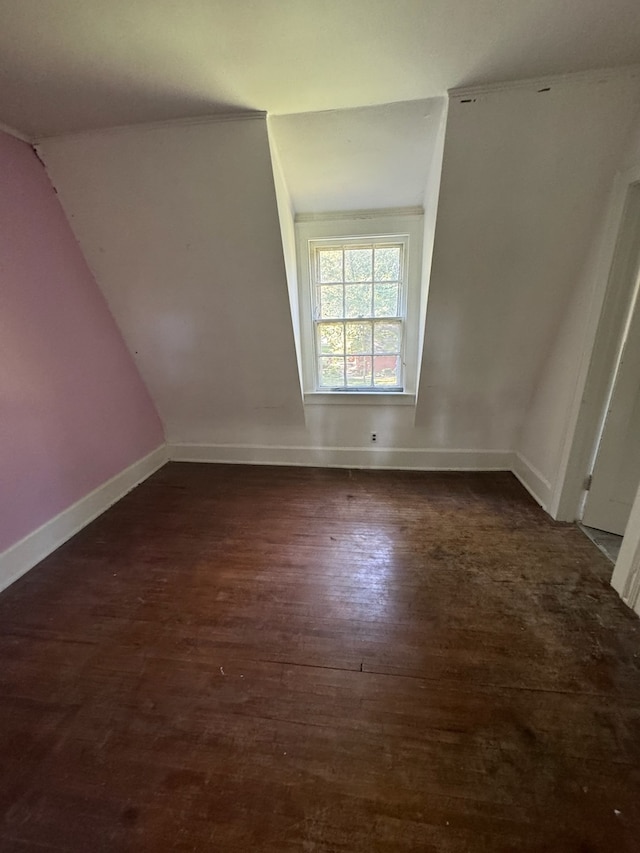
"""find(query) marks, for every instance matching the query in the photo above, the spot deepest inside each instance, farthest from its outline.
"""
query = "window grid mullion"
(344, 292)
(373, 269)
(397, 318)
(344, 330)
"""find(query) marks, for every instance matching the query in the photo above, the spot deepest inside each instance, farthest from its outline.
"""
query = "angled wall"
(558, 436)
(180, 226)
(74, 412)
(526, 172)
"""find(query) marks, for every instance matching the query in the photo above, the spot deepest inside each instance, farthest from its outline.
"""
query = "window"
(359, 297)
(359, 303)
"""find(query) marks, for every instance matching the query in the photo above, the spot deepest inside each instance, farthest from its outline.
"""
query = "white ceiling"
(358, 159)
(83, 64)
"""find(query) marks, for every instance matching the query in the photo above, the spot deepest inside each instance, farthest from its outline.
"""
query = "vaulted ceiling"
(95, 63)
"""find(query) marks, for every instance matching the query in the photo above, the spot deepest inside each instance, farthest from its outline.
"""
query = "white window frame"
(376, 226)
(342, 243)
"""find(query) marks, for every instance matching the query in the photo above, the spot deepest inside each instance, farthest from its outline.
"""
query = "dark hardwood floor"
(279, 659)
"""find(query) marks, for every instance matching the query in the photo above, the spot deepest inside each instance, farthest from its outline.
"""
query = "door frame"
(607, 504)
(626, 574)
(610, 297)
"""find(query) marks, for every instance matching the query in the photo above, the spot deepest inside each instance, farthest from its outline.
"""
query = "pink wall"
(73, 408)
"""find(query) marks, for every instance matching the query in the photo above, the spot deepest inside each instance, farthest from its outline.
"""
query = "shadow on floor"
(608, 543)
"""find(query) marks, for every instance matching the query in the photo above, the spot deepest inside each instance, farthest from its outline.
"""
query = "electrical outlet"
(374, 436)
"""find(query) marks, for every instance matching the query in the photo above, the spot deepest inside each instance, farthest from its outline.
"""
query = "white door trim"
(626, 574)
(607, 315)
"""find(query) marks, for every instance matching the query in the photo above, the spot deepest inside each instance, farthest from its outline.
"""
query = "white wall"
(286, 214)
(180, 226)
(549, 427)
(430, 206)
(339, 435)
(524, 179)
(377, 157)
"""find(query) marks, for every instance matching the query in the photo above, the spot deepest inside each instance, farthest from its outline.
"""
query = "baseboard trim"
(379, 458)
(534, 482)
(28, 552)
(25, 554)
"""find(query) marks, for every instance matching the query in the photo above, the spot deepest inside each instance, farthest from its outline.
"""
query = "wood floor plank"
(280, 659)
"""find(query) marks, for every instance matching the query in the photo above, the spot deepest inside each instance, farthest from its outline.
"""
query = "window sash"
(374, 365)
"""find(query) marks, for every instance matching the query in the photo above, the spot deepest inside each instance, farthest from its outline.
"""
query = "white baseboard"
(534, 482)
(26, 553)
(19, 558)
(406, 459)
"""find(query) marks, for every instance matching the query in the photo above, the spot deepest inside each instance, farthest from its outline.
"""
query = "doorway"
(613, 474)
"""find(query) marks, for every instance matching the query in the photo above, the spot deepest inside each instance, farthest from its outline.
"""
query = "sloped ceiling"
(358, 159)
(180, 226)
(82, 64)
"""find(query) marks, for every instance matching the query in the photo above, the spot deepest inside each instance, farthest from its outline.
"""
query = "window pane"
(331, 338)
(359, 337)
(330, 301)
(387, 337)
(386, 371)
(385, 300)
(331, 372)
(387, 264)
(357, 300)
(358, 371)
(330, 265)
(358, 264)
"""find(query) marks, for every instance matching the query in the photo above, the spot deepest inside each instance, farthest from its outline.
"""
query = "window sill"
(359, 398)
